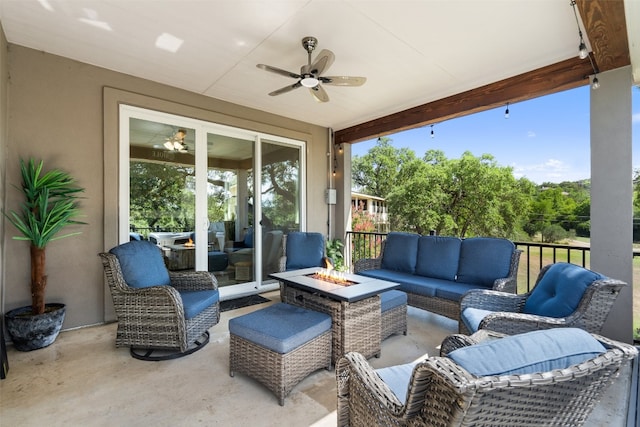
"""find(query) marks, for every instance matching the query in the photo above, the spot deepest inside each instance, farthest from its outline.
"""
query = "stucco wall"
(59, 112)
(3, 149)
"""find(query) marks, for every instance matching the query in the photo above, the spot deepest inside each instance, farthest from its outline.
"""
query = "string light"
(583, 53)
(506, 112)
(433, 135)
(335, 161)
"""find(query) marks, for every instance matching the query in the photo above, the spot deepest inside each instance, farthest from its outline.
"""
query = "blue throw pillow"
(304, 250)
(537, 351)
(484, 259)
(560, 290)
(438, 257)
(400, 252)
(142, 264)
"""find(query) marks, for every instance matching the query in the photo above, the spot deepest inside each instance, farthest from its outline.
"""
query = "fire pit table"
(352, 301)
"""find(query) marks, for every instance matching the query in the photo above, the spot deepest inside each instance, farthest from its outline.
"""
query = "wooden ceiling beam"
(564, 75)
(605, 27)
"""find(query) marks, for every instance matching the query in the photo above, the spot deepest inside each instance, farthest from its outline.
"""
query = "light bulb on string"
(506, 112)
(433, 135)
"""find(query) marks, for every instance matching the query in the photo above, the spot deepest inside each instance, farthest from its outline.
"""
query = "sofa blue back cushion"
(560, 290)
(400, 252)
(248, 238)
(484, 259)
(304, 250)
(141, 264)
(528, 353)
(438, 257)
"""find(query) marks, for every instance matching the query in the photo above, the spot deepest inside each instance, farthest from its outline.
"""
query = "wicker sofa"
(436, 271)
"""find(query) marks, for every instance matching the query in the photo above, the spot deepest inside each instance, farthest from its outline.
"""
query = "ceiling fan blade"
(322, 63)
(278, 71)
(343, 80)
(319, 93)
(286, 89)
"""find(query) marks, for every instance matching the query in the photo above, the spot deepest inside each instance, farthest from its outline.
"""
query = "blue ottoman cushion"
(528, 353)
(142, 264)
(280, 327)
(392, 299)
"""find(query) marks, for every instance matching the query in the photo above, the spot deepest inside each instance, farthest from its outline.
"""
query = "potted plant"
(50, 204)
(334, 252)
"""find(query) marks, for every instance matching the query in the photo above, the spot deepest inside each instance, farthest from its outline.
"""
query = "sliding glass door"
(195, 189)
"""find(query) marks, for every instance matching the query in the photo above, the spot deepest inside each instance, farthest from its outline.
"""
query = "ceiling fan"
(310, 74)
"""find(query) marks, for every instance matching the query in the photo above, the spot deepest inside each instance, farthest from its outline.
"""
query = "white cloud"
(635, 118)
(551, 170)
(531, 134)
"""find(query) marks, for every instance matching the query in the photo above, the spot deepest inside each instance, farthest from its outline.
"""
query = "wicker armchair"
(507, 313)
(442, 393)
(158, 317)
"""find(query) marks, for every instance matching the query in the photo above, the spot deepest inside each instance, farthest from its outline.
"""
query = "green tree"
(376, 172)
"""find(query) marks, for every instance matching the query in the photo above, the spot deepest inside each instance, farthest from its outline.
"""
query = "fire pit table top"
(359, 288)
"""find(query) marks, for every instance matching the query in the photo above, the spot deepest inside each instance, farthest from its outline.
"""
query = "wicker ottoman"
(393, 307)
(279, 346)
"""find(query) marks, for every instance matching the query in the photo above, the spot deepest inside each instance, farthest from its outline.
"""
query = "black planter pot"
(31, 332)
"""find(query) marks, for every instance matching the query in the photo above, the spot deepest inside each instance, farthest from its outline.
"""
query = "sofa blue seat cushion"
(484, 259)
(438, 257)
(400, 252)
(454, 291)
(471, 317)
(410, 283)
(142, 264)
(280, 327)
(528, 353)
(392, 299)
(560, 290)
(194, 302)
(397, 377)
(304, 250)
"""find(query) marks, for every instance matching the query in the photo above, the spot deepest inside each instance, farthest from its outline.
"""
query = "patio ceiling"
(425, 61)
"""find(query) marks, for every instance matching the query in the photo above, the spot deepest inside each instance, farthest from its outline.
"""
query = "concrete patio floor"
(83, 379)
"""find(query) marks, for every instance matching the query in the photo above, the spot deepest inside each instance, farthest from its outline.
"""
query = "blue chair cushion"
(484, 259)
(528, 353)
(217, 261)
(397, 378)
(194, 302)
(304, 250)
(280, 327)
(142, 264)
(471, 317)
(400, 252)
(392, 299)
(560, 290)
(438, 257)
(248, 238)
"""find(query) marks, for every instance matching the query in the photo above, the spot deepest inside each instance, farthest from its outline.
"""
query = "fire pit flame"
(332, 276)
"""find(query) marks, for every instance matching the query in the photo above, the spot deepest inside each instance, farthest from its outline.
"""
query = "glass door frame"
(202, 128)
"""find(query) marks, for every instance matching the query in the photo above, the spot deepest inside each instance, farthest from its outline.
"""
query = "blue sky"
(545, 139)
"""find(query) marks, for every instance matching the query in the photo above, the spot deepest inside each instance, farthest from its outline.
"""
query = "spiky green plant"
(50, 204)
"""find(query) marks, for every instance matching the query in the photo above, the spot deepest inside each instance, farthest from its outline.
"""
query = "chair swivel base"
(167, 354)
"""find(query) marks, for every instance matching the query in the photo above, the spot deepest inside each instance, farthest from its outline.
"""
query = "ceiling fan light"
(168, 145)
(309, 82)
(178, 146)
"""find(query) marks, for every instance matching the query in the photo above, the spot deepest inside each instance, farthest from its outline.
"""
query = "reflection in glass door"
(279, 201)
(195, 189)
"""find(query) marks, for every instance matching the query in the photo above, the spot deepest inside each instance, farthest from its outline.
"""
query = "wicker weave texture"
(508, 317)
(280, 373)
(355, 326)
(443, 394)
(393, 321)
(153, 318)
